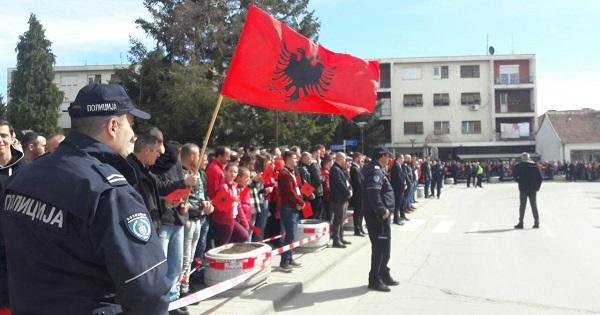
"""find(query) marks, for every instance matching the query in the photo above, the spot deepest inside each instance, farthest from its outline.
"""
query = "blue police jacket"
(378, 194)
(78, 236)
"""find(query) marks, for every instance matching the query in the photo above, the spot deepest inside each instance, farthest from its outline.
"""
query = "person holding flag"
(227, 216)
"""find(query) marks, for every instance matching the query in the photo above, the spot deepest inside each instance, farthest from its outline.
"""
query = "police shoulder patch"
(377, 178)
(139, 226)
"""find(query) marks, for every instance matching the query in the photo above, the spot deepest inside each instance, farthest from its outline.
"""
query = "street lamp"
(362, 125)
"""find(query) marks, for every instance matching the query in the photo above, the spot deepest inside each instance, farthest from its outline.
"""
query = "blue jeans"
(201, 247)
(289, 226)
(262, 218)
(171, 238)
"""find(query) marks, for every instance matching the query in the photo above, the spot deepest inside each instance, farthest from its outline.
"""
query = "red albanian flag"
(277, 68)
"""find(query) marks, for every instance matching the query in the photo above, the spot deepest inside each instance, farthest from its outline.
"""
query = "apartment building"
(70, 79)
(465, 107)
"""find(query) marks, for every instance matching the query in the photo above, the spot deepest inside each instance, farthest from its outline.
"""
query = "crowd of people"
(470, 172)
(82, 186)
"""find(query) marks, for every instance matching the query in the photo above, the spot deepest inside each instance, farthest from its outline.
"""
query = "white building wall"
(70, 79)
(547, 142)
(455, 113)
(579, 146)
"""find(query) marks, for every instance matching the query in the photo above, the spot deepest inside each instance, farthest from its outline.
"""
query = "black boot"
(519, 226)
(378, 285)
(536, 225)
(389, 281)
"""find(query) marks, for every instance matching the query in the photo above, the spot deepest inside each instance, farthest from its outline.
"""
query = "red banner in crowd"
(223, 200)
(178, 194)
(307, 189)
(275, 67)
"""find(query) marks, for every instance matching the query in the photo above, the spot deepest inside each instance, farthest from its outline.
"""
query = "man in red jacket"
(215, 176)
(290, 200)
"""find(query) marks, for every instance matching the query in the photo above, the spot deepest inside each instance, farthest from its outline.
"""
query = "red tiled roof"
(576, 126)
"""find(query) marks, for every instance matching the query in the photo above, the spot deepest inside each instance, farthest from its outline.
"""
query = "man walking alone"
(529, 178)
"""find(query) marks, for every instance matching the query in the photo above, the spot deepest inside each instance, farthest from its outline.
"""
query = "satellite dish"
(491, 50)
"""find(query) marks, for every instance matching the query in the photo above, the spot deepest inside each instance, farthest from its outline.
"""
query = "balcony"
(512, 79)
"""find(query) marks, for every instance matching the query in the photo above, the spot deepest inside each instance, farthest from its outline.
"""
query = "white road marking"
(412, 225)
(443, 227)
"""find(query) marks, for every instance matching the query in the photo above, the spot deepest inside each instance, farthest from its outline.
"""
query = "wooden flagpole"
(211, 125)
(208, 132)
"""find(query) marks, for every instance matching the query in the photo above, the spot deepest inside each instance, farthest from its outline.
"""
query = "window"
(441, 99)
(413, 100)
(509, 74)
(441, 127)
(469, 71)
(413, 128)
(412, 73)
(68, 80)
(470, 98)
(471, 127)
(440, 72)
(384, 76)
(96, 78)
(384, 104)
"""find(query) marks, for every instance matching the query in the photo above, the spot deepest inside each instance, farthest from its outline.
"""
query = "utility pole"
(362, 125)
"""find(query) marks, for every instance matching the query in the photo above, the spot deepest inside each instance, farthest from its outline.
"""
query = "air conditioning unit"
(474, 107)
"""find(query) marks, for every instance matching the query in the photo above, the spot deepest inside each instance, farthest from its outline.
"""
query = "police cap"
(379, 152)
(103, 100)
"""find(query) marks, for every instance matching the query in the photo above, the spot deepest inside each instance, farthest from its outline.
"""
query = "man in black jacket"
(145, 152)
(356, 201)
(529, 177)
(170, 176)
(426, 174)
(341, 191)
(315, 180)
(399, 180)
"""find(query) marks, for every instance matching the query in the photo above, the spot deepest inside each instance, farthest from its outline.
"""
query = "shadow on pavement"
(303, 299)
(491, 231)
(311, 299)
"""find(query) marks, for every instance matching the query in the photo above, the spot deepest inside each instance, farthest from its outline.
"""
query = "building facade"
(570, 136)
(466, 107)
(70, 79)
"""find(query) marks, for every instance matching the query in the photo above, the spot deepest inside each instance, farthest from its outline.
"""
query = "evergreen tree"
(35, 98)
(2, 108)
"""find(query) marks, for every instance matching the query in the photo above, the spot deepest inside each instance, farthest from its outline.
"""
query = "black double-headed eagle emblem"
(297, 72)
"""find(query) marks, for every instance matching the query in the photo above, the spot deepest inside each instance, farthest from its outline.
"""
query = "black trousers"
(479, 180)
(316, 206)
(357, 215)
(381, 239)
(436, 185)
(532, 195)
(400, 205)
(427, 183)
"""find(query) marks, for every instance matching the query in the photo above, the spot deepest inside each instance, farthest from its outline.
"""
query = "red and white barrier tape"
(243, 264)
(273, 238)
(228, 284)
(211, 291)
(298, 243)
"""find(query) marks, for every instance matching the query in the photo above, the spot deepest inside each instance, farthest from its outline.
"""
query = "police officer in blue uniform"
(378, 204)
(77, 236)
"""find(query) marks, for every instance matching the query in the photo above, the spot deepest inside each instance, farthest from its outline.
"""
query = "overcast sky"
(563, 35)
